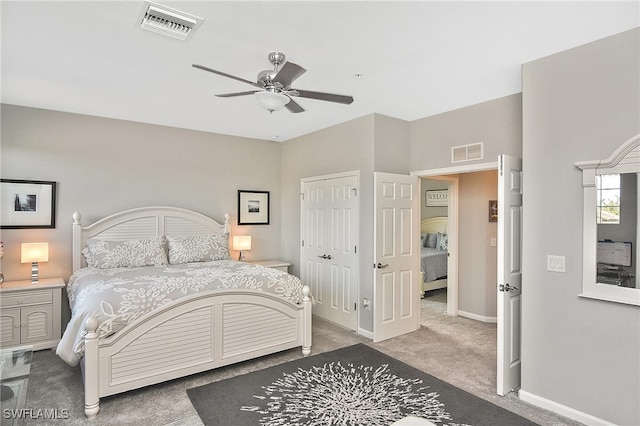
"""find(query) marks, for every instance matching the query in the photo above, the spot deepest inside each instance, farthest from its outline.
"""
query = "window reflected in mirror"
(617, 213)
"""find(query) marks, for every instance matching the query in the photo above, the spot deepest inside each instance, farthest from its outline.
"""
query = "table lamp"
(242, 243)
(34, 253)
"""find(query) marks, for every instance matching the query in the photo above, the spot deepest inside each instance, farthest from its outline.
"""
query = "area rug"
(356, 385)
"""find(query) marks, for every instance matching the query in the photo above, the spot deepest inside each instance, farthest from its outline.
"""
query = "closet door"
(328, 253)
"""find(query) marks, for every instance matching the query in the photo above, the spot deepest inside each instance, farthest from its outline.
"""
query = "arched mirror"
(610, 225)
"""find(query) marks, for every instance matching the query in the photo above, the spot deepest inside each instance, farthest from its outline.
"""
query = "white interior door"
(509, 272)
(396, 297)
(328, 255)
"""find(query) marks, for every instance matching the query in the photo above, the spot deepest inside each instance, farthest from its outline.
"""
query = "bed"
(216, 312)
(433, 253)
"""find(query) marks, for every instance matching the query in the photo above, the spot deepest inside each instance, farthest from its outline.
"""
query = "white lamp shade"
(34, 252)
(242, 242)
(272, 101)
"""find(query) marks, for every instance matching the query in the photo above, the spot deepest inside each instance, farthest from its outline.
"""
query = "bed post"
(306, 322)
(77, 241)
(91, 370)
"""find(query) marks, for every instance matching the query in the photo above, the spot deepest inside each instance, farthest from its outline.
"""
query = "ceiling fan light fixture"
(272, 101)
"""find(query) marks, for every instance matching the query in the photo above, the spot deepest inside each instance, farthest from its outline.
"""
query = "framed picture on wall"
(27, 204)
(493, 210)
(438, 198)
(253, 207)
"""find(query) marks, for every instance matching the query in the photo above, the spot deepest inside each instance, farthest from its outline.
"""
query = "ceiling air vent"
(470, 152)
(167, 21)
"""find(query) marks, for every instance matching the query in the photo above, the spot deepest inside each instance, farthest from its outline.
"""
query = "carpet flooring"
(356, 386)
(449, 348)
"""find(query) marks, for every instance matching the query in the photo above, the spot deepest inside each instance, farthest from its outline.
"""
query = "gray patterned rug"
(356, 385)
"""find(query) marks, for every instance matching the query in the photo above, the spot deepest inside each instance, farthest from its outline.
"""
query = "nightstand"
(31, 313)
(275, 264)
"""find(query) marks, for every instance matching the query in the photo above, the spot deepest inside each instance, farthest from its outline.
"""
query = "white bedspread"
(119, 296)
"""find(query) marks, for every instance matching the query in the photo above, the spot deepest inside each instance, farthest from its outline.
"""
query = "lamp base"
(34, 272)
(241, 256)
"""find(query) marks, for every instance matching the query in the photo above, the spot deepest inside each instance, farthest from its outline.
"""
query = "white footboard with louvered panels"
(199, 332)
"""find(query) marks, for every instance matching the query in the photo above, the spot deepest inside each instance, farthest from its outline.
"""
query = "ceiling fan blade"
(288, 74)
(330, 97)
(231, 95)
(293, 106)
(224, 74)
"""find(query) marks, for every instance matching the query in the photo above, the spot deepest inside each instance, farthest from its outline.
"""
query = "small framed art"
(27, 204)
(493, 210)
(253, 207)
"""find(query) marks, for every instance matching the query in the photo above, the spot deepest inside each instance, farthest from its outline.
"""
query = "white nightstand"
(275, 264)
(31, 313)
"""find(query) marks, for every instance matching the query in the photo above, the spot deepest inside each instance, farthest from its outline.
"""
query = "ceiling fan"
(274, 86)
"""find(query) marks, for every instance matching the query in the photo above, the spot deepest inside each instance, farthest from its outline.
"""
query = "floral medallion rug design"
(356, 385)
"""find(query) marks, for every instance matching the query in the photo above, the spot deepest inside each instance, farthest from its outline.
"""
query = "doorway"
(472, 240)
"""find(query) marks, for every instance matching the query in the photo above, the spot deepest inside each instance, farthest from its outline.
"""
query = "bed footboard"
(194, 334)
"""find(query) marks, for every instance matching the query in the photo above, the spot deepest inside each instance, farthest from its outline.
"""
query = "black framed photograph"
(253, 207)
(27, 204)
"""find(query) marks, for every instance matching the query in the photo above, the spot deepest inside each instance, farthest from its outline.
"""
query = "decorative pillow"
(198, 248)
(423, 240)
(443, 241)
(432, 240)
(126, 254)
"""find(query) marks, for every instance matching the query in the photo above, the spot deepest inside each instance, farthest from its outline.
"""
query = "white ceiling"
(416, 58)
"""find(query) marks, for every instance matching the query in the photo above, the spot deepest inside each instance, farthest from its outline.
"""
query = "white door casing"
(509, 273)
(396, 296)
(328, 253)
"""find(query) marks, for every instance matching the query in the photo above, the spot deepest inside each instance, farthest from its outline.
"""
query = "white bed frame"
(434, 224)
(190, 335)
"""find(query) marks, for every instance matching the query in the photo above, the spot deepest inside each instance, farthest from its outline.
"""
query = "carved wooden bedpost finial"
(76, 218)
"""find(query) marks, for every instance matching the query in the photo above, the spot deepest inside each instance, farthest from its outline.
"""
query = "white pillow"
(127, 253)
(198, 248)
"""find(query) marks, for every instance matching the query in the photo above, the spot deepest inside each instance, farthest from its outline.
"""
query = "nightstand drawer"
(30, 298)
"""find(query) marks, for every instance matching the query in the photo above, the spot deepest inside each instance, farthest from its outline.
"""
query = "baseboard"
(563, 410)
(491, 320)
(366, 333)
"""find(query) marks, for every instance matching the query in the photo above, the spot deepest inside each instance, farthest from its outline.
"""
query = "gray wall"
(477, 259)
(497, 123)
(371, 143)
(341, 148)
(578, 105)
(103, 166)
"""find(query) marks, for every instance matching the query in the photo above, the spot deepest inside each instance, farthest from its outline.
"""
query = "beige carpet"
(457, 350)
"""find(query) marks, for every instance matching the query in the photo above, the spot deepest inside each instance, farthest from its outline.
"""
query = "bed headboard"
(434, 224)
(143, 222)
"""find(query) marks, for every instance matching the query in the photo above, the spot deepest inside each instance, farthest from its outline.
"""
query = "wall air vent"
(474, 151)
(167, 21)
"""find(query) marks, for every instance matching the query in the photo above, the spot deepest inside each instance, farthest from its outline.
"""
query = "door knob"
(380, 265)
(507, 287)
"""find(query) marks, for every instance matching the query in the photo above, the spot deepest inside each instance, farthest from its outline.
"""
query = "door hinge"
(501, 165)
(355, 306)
(302, 195)
(302, 243)
(355, 191)
(355, 249)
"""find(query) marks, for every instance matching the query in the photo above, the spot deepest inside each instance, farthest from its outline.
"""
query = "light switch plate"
(556, 263)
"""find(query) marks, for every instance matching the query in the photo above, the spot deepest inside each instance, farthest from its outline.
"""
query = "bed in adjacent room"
(155, 296)
(434, 252)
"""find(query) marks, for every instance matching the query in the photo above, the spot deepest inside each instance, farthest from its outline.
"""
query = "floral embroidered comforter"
(119, 296)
